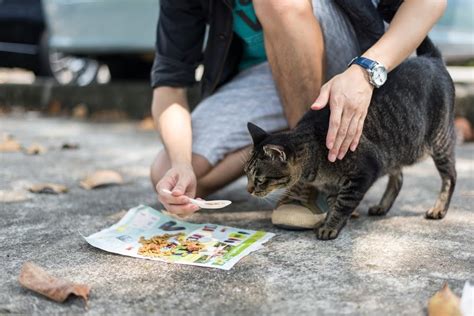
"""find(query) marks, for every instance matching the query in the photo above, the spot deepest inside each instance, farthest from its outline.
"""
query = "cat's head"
(272, 164)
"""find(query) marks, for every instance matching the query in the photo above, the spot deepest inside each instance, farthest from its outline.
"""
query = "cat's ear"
(275, 152)
(258, 134)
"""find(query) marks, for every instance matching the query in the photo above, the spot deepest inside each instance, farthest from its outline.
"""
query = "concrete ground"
(378, 266)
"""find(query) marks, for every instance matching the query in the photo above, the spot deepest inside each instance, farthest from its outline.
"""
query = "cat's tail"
(428, 49)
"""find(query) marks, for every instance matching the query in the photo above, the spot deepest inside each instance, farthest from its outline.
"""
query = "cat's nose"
(250, 188)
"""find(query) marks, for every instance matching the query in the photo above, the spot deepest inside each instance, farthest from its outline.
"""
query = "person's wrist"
(361, 75)
(181, 164)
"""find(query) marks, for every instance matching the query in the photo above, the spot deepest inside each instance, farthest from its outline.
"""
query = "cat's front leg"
(342, 205)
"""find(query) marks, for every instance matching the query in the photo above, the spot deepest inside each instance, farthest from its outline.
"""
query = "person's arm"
(173, 120)
(349, 93)
(179, 43)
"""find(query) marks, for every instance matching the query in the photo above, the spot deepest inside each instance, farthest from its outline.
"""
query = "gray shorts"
(219, 122)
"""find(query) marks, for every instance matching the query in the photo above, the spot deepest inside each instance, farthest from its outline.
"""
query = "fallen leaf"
(35, 149)
(9, 145)
(444, 303)
(101, 178)
(109, 116)
(54, 107)
(67, 146)
(463, 129)
(147, 124)
(80, 111)
(38, 280)
(13, 196)
(48, 188)
(467, 299)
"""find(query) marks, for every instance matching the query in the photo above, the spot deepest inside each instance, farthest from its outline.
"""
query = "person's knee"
(278, 12)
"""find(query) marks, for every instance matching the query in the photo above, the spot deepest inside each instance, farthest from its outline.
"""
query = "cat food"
(168, 245)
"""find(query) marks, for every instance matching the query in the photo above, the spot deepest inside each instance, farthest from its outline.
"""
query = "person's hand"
(348, 95)
(181, 181)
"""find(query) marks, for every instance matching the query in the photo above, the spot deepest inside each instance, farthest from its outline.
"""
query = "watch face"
(379, 75)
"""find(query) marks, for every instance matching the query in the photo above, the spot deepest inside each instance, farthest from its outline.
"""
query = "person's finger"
(341, 134)
(185, 209)
(181, 186)
(360, 128)
(334, 123)
(165, 197)
(351, 133)
(166, 183)
(191, 190)
(170, 199)
(323, 98)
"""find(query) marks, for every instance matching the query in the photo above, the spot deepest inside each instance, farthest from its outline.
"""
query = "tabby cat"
(410, 116)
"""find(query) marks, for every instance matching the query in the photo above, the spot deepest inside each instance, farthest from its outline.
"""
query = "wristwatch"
(377, 72)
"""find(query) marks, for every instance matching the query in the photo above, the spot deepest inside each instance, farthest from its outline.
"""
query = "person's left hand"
(348, 95)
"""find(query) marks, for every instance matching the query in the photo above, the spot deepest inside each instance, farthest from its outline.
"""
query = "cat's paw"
(377, 210)
(435, 213)
(326, 233)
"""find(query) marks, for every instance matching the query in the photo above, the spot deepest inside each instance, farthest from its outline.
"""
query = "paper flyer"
(150, 234)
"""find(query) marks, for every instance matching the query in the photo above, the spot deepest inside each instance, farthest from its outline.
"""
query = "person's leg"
(225, 172)
(307, 42)
(295, 50)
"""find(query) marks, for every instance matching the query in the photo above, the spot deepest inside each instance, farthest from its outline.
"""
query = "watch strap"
(363, 62)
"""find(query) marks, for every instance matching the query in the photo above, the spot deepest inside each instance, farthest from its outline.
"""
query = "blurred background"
(98, 53)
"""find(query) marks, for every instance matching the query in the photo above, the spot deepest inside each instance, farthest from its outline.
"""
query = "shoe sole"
(294, 228)
(296, 217)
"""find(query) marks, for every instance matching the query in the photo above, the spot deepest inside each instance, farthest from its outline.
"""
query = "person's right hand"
(181, 181)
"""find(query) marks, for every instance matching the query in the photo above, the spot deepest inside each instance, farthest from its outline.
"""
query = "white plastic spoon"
(215, 204)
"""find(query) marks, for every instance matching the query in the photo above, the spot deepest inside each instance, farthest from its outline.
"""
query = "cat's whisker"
(269, 201)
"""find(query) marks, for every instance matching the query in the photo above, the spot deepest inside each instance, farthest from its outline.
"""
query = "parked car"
(454, 32)
(21, 35)
(78, 40)
(116, 33)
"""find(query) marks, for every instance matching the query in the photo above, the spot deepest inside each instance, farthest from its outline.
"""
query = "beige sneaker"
(298, 209)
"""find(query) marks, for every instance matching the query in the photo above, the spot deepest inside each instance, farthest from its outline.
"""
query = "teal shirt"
(247, 27)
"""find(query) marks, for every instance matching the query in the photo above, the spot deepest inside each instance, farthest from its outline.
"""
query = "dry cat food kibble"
(168, 245)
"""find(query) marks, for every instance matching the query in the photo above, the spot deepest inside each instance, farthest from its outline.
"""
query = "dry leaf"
(9, 145)
(48, 188)
(54, 107)
(444, 303)
(35, 149)
(109, 116)
(147, 124)
(38, 280)
(67, 146)
(101, 178)
(80, 111)
(13, 196)
(463, 129)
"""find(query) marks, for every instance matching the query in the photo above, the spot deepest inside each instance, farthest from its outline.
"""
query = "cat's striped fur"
(409, 118)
